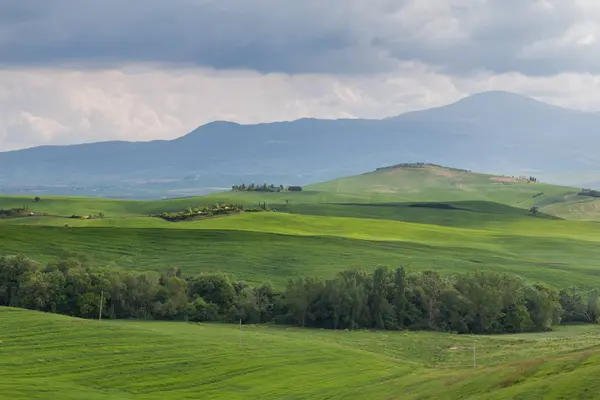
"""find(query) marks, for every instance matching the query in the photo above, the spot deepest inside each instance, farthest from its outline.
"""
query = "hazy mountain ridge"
(494, 132)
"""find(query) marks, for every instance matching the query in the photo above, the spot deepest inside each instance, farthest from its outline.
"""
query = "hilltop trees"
(200, 212)
(256, 188)
(263, 188)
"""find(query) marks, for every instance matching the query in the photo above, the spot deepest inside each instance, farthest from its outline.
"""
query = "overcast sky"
(76, 71)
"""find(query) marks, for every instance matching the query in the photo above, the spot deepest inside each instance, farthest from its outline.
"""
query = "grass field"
(316, 234)
(427, 218)
(45, 356)
(275, 246)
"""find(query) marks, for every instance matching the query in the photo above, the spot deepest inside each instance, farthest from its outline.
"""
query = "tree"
(37, 199)
(428, 287)
(214, 288)
(379, 307)
(593, 306)
(575, 307)
(399, 296)
(483, 301)
(534, 210)
(543, 305)
(298, 298)
(199, 310)
(14, 273)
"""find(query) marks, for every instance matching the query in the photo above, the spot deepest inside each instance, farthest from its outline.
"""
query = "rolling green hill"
(45, 356)
(427, 183)
(433, 183)
(422, 218)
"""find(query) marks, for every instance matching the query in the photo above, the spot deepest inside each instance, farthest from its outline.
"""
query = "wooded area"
(482, 302)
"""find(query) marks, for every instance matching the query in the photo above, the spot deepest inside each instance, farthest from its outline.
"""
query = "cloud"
(81, 71)
(58, 106)
(534, 37)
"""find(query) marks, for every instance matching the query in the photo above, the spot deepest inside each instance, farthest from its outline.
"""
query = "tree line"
(264, 188)
(257, 188)
(480, 302)
(589, 192)
(209, 211)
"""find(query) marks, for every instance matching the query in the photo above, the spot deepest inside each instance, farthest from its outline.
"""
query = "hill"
(312, 239)
(46, 356)
(493, 131)
(420, 216)
(414, 182)
(434, 183)
(428, 183)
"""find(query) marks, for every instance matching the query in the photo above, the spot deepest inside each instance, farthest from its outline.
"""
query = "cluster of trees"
(589, 192)
(90, 216)
(15, 212)
(528, 179)
(257, 188)
(209, 211)
(385, 299)
(19, 212)
(264, 188)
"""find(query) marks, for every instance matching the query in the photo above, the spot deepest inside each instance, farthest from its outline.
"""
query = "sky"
(74, 71)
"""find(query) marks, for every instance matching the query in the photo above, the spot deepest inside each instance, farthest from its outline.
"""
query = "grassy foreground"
(45, 356)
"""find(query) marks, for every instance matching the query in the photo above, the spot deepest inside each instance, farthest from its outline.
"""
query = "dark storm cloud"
(308, 36)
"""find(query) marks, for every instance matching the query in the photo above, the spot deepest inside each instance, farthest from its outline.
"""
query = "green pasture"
(44, 356)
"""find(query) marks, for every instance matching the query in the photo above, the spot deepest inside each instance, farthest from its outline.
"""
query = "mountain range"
(495, 132)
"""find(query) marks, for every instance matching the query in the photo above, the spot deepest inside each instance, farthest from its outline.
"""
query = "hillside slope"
(396, 184)
(493, 131)
(433, 183)
(44, 356)
(420, 217)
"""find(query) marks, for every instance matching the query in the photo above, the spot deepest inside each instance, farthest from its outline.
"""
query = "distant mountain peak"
(499, 105)
(215, 127)
(500, 98)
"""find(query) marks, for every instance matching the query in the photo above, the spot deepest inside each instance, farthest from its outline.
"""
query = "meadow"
(426, 218)
(46, 356)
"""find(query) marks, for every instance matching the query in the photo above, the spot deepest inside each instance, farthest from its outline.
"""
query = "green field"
(46, 356)
(420, 218)
(401, 185)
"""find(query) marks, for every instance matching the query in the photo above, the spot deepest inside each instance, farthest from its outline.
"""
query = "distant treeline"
(15, 212)
(19, 212)
(482, 302)
(208, 211)
(264, 188)
(420, 165)
(257, 188)
(589, 192)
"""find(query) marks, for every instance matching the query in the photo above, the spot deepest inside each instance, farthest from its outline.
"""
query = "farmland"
(433, 218)
(426, 218)
(46, 356)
